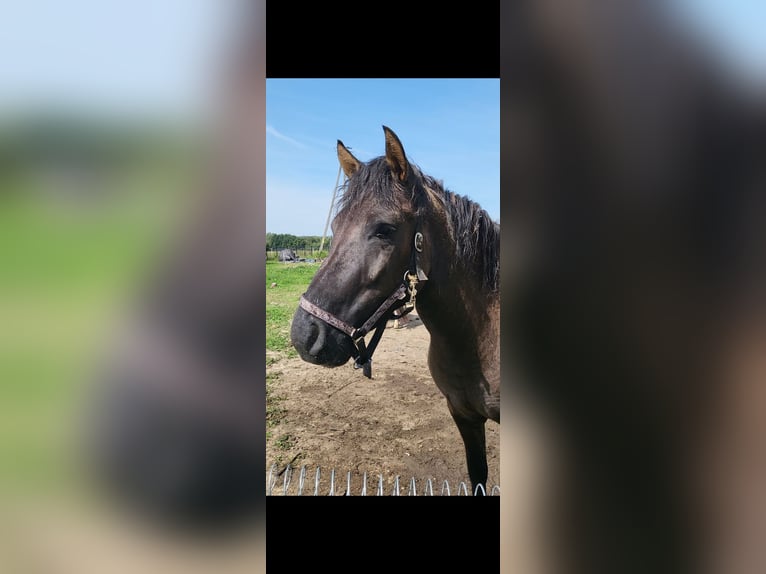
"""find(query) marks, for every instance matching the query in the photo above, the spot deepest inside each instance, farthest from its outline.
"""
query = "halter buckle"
(412, 282)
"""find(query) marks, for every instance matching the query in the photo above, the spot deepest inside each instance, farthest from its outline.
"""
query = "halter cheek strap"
(363, 358)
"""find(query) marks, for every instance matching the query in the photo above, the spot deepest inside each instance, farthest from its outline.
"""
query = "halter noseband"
(377, 320)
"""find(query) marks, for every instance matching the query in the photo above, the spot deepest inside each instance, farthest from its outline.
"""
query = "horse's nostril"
(318, 335)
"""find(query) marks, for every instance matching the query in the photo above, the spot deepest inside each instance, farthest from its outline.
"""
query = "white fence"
(301, 482)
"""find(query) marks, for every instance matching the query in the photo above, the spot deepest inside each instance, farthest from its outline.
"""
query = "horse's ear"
(347, 160)
(395, 155)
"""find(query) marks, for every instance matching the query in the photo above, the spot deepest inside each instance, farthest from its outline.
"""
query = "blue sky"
(449, 127)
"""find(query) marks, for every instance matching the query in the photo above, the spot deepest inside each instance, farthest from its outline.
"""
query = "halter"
(363, 358)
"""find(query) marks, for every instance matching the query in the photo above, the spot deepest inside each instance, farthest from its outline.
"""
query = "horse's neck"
(455, 305)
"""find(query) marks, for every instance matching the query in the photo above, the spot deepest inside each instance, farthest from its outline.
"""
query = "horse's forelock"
(374, 185)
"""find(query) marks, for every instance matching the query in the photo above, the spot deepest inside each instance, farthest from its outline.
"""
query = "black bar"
(395, 39)
(397, 534)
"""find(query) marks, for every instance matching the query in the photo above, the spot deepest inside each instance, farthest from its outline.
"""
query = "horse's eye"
(384, 231)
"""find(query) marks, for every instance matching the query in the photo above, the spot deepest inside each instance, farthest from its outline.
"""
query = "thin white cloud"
(277, 134)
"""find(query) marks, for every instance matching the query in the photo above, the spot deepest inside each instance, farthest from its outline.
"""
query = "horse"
(401, 239)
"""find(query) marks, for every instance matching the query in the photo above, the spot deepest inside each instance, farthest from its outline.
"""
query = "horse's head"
(372, 250)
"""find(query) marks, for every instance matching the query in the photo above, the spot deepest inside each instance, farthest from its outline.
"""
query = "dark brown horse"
(399, 236)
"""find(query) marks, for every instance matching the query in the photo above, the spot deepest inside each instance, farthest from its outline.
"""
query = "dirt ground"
(395, 424)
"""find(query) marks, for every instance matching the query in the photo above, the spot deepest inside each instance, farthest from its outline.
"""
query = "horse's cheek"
(377, 266)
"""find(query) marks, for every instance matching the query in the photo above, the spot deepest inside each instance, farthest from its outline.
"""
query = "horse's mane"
(476, 235)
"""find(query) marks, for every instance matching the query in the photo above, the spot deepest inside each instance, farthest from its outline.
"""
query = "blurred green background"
(85, 205)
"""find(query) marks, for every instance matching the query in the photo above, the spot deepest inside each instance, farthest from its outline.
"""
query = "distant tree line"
(277, 241)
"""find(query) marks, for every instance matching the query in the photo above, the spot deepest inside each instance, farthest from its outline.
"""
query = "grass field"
(291, 281)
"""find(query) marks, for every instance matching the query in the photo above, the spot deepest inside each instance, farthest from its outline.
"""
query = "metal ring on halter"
(419, 242)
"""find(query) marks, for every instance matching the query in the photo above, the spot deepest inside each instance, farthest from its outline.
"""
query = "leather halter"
(363, 358)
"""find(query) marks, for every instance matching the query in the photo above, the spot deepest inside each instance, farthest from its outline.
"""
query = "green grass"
(291, 281)
(285, 442)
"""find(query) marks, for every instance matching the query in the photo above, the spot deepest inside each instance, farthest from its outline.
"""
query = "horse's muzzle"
(319, 343)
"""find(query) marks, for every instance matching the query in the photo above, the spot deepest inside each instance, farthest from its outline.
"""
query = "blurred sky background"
(127, 59)
(449, 127)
